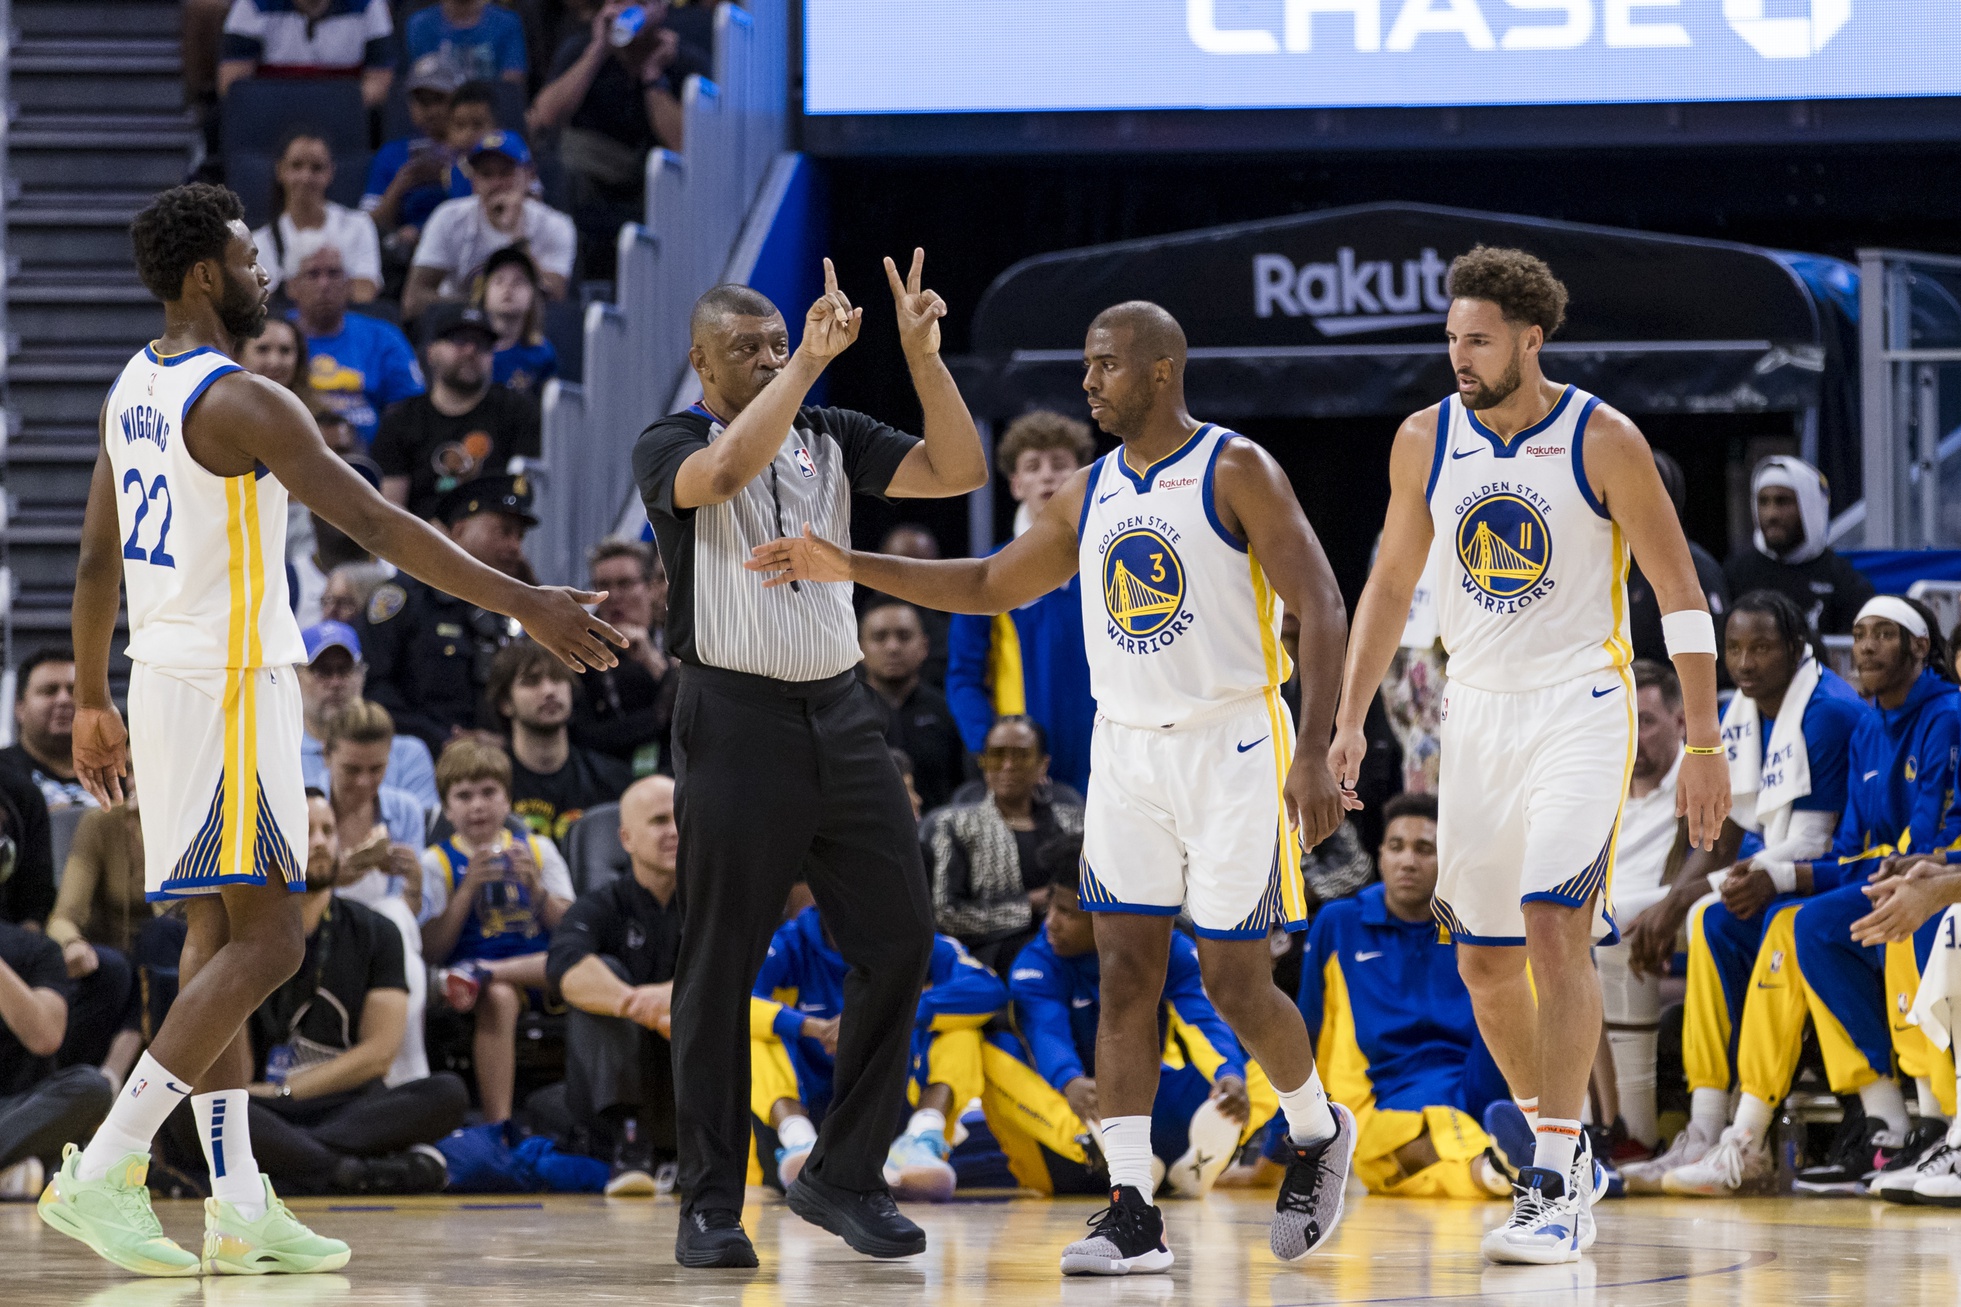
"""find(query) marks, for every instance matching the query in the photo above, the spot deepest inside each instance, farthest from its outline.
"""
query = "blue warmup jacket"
(1056, 1005)
(1029, 661)
(1899, 793)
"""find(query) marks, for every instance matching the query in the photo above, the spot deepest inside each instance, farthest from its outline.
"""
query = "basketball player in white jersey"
(187, 514)
(1201, 792)
(1536, 492)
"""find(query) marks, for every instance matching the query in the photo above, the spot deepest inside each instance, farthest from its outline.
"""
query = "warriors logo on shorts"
(1504, 546)
(1143, 583)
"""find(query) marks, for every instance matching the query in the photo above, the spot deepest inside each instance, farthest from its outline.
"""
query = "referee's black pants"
(776, 782)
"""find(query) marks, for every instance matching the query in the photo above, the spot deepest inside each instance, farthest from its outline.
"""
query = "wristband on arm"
(1688, 631)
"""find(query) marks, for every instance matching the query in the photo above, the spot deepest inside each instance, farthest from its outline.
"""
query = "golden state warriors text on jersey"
(1535, 584)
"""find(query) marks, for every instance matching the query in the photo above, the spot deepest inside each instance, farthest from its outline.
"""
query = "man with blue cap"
(462, 234)
(334, 676)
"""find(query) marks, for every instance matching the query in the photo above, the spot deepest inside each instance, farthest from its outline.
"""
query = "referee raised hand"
(780, 757)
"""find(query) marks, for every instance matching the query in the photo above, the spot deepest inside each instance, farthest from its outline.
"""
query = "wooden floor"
(568, 1252)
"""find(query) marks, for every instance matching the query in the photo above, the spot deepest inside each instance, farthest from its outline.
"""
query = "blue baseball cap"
(322, 636)
(508, 144)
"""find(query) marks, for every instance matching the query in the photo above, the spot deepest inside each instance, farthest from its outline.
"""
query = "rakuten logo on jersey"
(1352, 295)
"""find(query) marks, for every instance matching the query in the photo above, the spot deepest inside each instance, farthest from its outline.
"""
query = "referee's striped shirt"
(718, 613)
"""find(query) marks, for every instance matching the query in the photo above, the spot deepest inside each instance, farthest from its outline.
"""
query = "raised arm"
(1383, 611)
(1256, 501)
(1621, 468)
(949, 459)
(1036, 562)
(101, 744)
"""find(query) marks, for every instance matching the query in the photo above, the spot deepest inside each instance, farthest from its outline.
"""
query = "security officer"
(428, 652)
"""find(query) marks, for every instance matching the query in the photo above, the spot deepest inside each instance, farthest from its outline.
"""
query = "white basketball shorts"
(1529, 803)
(1194, 817)
(217, 755)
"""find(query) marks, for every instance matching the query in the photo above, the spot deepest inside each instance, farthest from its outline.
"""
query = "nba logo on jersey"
(806, 464)
(1505, 547)
(1144, 591)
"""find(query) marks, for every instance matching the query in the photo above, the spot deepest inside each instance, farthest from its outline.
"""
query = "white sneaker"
(1737, 1166)
(1691, 1144)
(1939, 1175)
(1546, 1228)
(23, 1180)
(1214, 1138)
(1896, 1179)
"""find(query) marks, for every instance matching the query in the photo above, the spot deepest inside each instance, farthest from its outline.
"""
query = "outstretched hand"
(919, 311)
(101, 753)
(808, 557)
(832, 324)
(557, 619)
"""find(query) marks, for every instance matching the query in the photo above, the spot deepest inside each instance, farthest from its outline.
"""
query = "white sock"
(1753, 1118)
(1558, 1142)
(927, 1121)
(1127, 1148)
(795, 1132)
(224, 1128)
(1930, 1106)
(1883, 1099)
(147, 1099)
(1709, 1108)
(1309, 1119)
(1529, 1106)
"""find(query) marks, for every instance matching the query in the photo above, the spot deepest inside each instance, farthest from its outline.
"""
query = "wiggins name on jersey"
(1178, 617)
(1534, 588)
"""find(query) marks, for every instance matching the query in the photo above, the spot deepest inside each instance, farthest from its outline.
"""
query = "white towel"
(1765, 782)
(1939, 995)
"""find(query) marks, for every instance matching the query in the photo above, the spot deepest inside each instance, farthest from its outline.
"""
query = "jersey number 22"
(156, 553)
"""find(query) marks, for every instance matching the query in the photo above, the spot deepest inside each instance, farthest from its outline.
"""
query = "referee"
(779, 751)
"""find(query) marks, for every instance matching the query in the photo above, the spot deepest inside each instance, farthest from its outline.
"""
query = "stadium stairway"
(98, 125)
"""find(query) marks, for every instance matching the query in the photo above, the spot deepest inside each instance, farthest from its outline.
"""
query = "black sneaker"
(713, 1238)
(1125, 1238)
(1312, 1192)
(420, 1170)
(632, 1174)
(870, 1222)
(1863, 1146)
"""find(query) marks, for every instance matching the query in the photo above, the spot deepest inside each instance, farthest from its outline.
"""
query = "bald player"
(1200, 789)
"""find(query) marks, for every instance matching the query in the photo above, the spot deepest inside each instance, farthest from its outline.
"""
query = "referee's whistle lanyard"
(775, 489)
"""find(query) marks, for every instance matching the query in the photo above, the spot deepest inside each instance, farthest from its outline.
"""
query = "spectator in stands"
(40, 1108)
(511, 299)
(315, 546)
(625, 711)
(333, 679)
(553, 781)
(911, 540)
(44, 723)
(988, 885)
(1042, 1086)
(799, 1000)
(476, 38)
(428, 652)
(357, 365)
(1792, 507)
(1392, 1025)
(1030, 660)
(917, 718)
(278, 353)
(348, 589)
(461, 235)
(96, 918)
(612, 959)
(610, 104)
(463, 427)
(489, 904)
(412, 174)
(324, 1118)
(310, 38)
(305, 220)
(1644, 610)
(27, 885)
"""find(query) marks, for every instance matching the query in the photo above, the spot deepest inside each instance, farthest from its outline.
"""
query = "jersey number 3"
(157, 554)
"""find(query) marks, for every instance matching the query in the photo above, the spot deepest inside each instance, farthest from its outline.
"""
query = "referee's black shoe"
(870, 1222)
(713, 1238)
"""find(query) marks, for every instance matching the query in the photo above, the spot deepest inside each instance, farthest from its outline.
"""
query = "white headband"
(1896, 610)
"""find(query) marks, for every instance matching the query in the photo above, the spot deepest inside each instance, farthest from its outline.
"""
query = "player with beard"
(1538, 491)
(188, 508)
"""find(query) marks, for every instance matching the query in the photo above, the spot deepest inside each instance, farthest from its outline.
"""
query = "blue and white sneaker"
(789, 1163)
(916, 1169)
(1550, 1224)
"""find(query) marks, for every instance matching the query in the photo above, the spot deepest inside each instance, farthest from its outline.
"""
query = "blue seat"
(258, 114)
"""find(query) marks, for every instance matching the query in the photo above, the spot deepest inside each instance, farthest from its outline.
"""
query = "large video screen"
(1022, 56)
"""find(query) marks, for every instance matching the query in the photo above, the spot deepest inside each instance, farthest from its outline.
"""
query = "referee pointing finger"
(780, 755)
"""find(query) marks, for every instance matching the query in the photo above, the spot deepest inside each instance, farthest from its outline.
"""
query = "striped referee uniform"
(783, 774)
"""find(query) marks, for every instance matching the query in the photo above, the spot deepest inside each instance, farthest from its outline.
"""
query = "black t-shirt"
(1828, 589)
(622, 921)
(549, 804)
(622, 710)
(436, 451)
(1644, 609)
(924, 727)
(615, 106)
(28, 894)
(354, 950)
(36, 959)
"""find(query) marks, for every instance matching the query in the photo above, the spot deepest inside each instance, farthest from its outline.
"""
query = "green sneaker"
(275, 1243)
(112, 1215)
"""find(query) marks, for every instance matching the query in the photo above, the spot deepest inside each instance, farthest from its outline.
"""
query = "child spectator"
(553, 781)
(462, 234)
(476, 38)
(489, 904)
(510, 298)
(357, 365)
(310, 38)
(412, 174)
(305, 220)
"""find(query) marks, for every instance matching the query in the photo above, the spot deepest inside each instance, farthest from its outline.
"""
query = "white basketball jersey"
(204, 556)
(1178, 618)
(1534, 584)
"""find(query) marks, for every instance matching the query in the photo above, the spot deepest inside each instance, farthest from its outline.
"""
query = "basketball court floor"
(572, 1251)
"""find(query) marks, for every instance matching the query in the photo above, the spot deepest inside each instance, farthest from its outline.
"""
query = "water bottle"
(279, 1063)
(496, 894)
(627, 26)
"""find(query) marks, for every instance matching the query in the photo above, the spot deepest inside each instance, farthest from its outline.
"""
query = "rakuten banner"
(977, 56)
